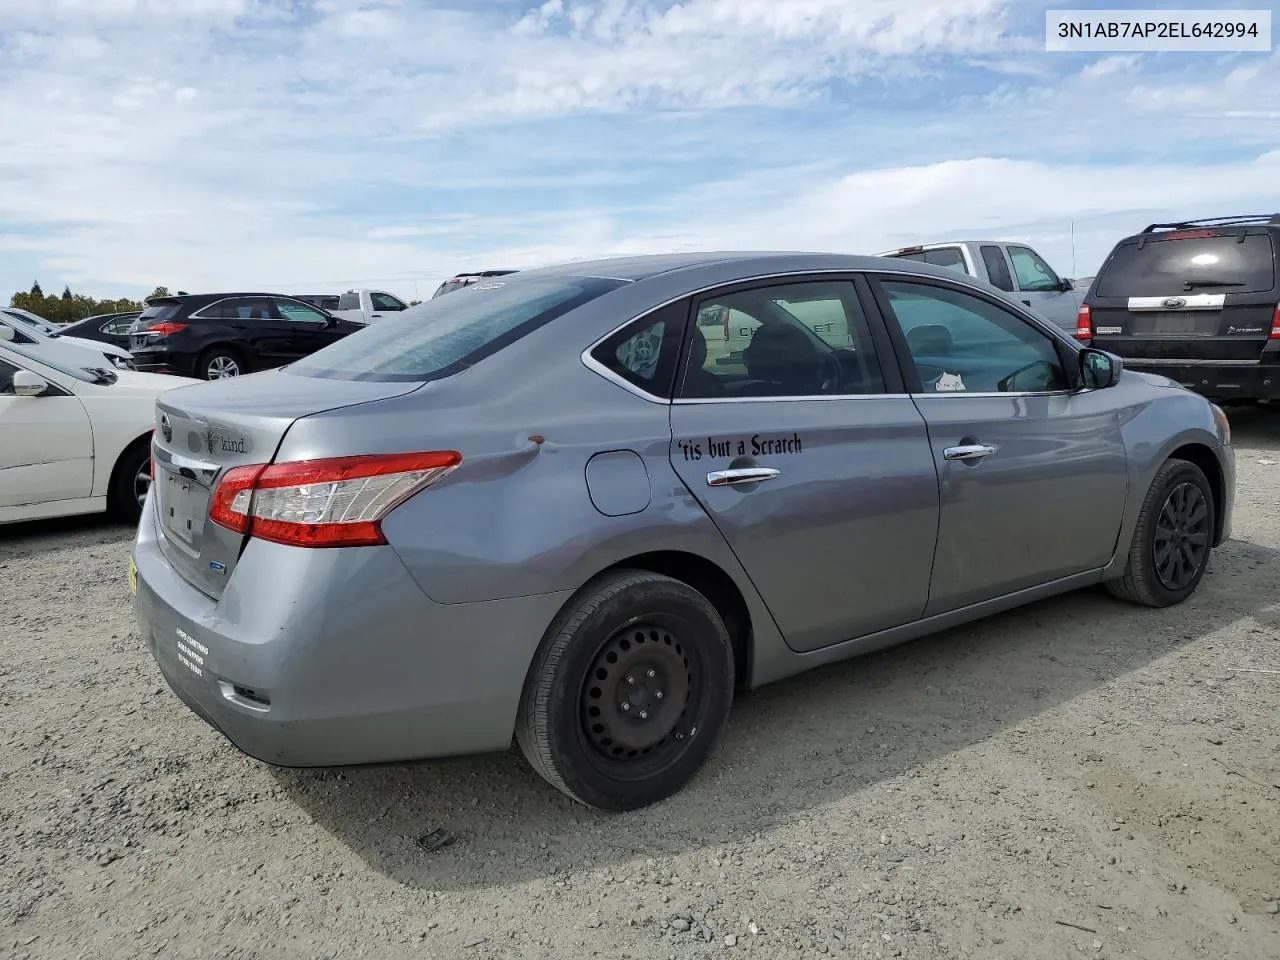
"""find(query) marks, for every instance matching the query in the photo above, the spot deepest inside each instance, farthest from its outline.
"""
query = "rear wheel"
(221, 363)
(1172, 541)
(629, 691)
(130, 482)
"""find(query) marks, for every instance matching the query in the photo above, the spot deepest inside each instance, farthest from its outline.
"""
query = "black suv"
(216, 335)
(1198, 302)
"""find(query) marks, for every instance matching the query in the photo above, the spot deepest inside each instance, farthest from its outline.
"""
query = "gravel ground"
(1080, 778)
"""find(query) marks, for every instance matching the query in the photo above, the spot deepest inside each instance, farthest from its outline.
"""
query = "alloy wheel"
(222, 367)
(1181, 541)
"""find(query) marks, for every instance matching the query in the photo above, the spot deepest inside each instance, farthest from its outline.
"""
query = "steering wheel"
(829, 373)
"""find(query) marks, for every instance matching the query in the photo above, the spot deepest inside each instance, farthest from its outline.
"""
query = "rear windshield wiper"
(1192, 284)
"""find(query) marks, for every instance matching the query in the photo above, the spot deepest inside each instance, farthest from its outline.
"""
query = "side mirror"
(1066, 285)
(27, 384)
(6, 333)
(1099, 369)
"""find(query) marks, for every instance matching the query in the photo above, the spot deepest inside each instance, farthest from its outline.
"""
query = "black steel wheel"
(1172, 540)
(628, 692)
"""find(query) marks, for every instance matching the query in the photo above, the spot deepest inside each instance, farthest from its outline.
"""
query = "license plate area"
(1198, 324)
(183, 508)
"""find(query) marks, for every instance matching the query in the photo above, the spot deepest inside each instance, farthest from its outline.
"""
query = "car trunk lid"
(204, 430)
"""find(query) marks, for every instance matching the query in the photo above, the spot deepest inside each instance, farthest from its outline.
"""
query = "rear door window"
(240, 308)
(997, 268)
(1199, 264)
(445, 335)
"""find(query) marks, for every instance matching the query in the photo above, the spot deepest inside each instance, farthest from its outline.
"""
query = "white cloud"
(209, 143)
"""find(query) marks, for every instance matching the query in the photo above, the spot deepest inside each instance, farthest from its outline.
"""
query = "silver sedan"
(582, 506)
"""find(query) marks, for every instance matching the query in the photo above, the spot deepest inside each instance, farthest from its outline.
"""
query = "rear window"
(1167, 268)
(949, 257)
(442, 336)
(162, 310)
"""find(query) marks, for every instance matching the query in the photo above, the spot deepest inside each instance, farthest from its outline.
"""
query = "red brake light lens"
(165, 328)
(1275, 325)
(1190, 235)
(338, 502)
(1084, 322)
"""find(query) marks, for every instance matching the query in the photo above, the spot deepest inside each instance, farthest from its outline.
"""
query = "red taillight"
(339, 502)
(1275, 324)
(165, 328)
(1084, 322)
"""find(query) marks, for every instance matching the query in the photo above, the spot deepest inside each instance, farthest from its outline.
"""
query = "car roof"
(744, 265)
(200, 299)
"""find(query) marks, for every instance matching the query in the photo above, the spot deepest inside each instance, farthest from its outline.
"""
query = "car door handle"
(969, 451)
(721, 478)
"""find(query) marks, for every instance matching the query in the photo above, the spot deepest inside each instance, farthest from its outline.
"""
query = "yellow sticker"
(133, 576)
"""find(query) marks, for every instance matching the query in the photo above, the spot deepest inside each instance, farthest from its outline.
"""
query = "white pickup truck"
(1012, 267)
(358, 306)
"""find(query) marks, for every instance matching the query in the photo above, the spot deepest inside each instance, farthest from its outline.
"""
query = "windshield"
(1167, 268)
(20, 352)
(442, 336)
(31, 321)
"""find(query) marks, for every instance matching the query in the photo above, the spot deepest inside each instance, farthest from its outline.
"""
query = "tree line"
(70, 307)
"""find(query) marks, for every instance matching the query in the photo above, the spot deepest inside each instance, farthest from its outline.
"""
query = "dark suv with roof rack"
(460, 280)
(212, 336)
(1196, 301)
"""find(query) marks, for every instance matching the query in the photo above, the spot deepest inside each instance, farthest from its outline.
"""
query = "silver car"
(536, 509)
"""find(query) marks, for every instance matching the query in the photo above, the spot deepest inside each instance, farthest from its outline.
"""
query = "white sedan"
(74, 441)
(41, 336)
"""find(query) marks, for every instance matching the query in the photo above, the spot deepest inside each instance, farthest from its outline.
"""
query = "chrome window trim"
(961, 280)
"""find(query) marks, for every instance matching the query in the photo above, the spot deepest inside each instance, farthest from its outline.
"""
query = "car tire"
(639, 638)
(1172, 540)
(124, 501)
(222, 359)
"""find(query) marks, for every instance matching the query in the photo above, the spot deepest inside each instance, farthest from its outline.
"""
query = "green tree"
(69, 307)
(159, 292)
(66, 292)
(35, 289)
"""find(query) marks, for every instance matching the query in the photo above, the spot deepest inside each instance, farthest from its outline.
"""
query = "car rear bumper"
(174, 362)
(1218, 381)
(333, 657)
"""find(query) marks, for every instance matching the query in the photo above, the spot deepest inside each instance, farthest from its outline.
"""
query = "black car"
(110, 328)
(1196, 301)
(460, 280)
(216, 335)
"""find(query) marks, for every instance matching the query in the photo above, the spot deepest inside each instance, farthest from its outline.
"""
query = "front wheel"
(1172, 540)
(629, 691)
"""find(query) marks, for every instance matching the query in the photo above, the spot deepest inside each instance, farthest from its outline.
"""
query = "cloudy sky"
(311, 145)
